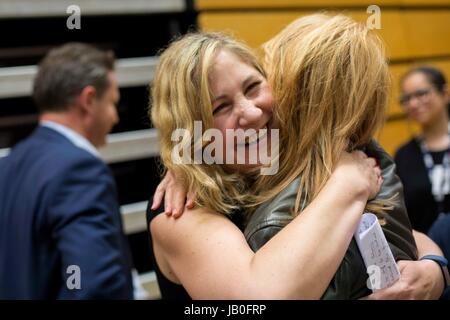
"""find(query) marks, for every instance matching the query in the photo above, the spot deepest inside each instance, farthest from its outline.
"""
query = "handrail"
(58, 8)
(125, 146)
(131, 72)
(133, 217)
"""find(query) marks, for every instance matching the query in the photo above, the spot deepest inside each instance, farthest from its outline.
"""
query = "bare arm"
(211, 258)
(425, 245)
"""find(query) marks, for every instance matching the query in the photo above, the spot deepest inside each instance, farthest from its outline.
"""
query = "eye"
(252, 87)
(220, 107)
(404, 99)
(421, 93)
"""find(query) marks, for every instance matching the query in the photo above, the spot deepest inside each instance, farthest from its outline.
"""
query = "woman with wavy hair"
(331, 83)
(218, 81)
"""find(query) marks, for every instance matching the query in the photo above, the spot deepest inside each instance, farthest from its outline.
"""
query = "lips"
(257, 137)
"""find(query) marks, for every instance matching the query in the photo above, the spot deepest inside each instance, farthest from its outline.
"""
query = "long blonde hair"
(331, 84)
(180, 95)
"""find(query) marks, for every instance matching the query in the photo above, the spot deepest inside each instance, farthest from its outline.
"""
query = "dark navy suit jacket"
(58, 208)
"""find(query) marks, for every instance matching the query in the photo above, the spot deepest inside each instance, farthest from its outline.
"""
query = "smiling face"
(421, 100)
(241, 99)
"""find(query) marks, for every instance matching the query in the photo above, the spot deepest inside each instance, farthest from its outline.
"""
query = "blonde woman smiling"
(204, 251)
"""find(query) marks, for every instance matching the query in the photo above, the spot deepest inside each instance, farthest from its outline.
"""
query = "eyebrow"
(244, 84)
(218, 98)
(250, 78)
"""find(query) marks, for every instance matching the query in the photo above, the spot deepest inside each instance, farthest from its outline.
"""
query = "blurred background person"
(423, 163)
(60, 226)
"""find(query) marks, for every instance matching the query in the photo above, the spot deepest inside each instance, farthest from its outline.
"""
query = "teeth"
(252, 139)
(256, 137)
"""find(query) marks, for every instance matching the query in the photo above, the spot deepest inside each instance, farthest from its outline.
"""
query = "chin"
(99, 143)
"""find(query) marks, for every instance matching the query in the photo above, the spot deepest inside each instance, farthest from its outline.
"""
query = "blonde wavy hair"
(330, 80)
(180, 95)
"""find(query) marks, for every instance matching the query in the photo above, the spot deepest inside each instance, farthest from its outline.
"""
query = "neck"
(66, 119)
(437, 128)
(435, 133)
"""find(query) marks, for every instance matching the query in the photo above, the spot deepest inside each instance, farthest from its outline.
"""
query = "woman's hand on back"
(175, 194)
(359, 173)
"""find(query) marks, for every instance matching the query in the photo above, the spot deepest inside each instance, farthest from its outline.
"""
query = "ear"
(87, 99)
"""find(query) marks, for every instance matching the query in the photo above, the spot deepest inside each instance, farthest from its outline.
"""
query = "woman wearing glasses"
(423, 163)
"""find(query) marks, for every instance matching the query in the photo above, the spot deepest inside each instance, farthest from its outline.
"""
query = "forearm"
(425, 245)
(431, 270)
(324, 231)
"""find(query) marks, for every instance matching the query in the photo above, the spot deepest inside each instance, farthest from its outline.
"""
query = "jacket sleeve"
(258, 238)
(270, 217)
(86, 228)
(350, 280)
(397, 229)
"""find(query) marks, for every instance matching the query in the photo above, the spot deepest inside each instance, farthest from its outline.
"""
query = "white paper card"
(378, 259)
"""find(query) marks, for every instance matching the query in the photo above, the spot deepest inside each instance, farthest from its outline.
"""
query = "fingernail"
(175, 212)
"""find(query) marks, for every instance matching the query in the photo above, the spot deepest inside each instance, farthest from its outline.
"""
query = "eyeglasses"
(420, 94)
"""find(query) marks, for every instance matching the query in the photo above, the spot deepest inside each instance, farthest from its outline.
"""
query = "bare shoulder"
(194, 225)
(188, 248)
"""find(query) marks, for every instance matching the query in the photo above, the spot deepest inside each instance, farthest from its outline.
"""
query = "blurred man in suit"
(60, 227)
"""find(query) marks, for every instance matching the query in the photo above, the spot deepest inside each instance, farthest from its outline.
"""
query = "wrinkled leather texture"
(349, 282)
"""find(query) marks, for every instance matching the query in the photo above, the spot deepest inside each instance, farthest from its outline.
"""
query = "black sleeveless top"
(171, 290)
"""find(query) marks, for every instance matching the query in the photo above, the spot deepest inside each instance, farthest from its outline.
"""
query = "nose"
(414, 102)
(249, 113)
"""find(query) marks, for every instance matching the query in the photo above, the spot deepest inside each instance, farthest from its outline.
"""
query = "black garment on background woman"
(420, 203)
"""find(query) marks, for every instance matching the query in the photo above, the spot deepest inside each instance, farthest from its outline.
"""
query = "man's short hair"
(66, 70)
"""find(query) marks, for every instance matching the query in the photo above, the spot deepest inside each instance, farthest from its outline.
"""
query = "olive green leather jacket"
(349, 282)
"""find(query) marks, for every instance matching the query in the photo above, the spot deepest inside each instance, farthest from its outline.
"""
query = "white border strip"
(16, 81)
(133, 216)
(150, 284)
(4, 152)
(131, 145)
(125, 146)
(131, 72)
(134, 72)
(58, 8)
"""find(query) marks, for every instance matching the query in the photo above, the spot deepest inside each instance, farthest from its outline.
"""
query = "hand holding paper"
(377, 256)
